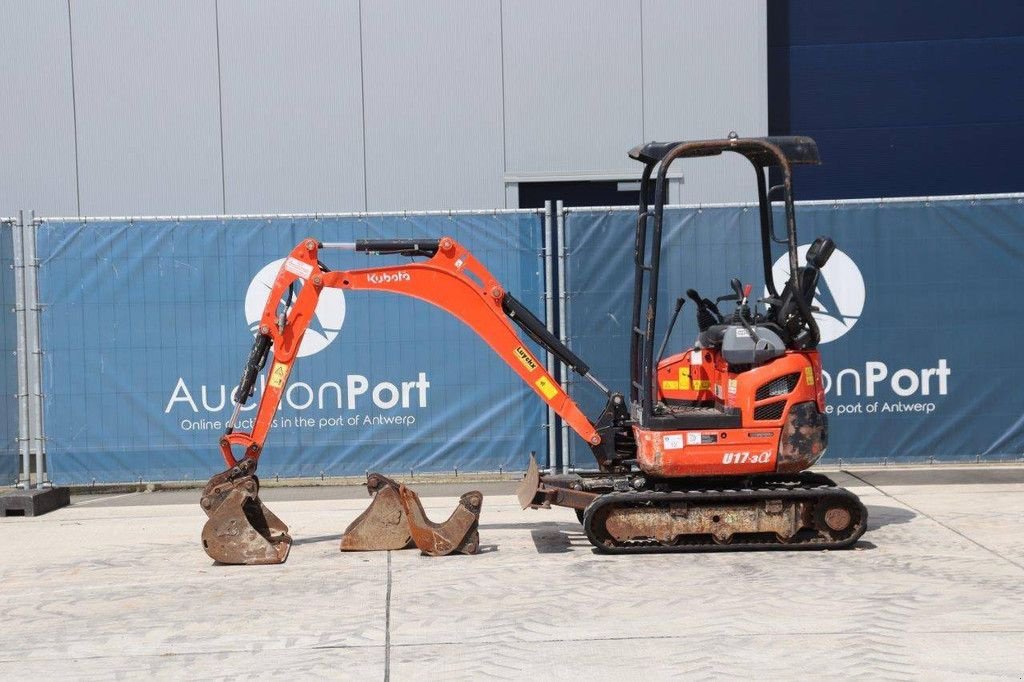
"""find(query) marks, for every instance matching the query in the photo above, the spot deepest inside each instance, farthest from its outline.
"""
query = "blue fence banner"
(146, 325)
(919, 328)
(9, 462)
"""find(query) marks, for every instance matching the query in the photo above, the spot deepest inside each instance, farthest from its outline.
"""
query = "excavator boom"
(451, 279)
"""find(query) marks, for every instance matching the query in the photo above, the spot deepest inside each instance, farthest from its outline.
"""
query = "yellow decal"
(701, 384)
(524, 357)
(278, 374)
(548, 389)
(809, 375)
(732, 386)
(684, 378)
(670, 385)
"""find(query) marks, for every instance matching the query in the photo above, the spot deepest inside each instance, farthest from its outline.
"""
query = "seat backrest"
(787, 313)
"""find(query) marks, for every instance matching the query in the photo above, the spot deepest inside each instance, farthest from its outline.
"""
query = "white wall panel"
(705, 74)
(148, 109)
(455, 96)
(292, 106)
(37, 143)
(572, 85)
(433, 104)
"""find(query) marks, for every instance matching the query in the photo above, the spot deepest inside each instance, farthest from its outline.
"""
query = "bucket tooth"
(382, 526)
(240, 529)
(458, 534)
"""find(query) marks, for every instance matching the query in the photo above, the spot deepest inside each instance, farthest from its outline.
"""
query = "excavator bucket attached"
(240, 529)
(383, 525)
(458, 534)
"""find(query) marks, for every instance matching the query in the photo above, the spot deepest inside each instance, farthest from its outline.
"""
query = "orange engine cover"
(783, 427)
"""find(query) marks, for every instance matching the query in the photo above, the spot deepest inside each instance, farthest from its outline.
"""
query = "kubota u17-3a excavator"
(709, 451)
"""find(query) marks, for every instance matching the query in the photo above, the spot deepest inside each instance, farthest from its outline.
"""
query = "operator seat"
(784, 322)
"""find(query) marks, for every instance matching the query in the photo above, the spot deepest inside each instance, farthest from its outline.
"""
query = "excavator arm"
(451, 279)
(240, 528)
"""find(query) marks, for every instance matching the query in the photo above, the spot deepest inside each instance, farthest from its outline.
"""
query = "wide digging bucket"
(240, 529)
(458, 534)
(383, 525)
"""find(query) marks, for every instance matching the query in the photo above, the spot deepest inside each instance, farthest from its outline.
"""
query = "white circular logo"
(839, 296)
(327, 319)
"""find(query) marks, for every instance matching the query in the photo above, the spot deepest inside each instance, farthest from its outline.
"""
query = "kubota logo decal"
(326, 322)
(840, 294)
(388, 277)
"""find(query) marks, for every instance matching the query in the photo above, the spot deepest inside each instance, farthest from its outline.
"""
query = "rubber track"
(816, 492)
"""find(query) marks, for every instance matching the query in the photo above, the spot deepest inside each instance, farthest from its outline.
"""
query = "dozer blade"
(529, 487)
(458, 534)
(382, 526)
(240, 529)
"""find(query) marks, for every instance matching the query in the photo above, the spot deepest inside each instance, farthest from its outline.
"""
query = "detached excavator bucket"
(383, 525)
(458, 534)
(240, 529)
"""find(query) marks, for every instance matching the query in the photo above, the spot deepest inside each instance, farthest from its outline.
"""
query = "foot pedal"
(458, 534)
(240, 529)
(383, 525)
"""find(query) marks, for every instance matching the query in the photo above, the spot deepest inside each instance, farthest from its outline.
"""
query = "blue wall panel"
(920, 351)
(147, 324)
(9, 462)
(905, 99)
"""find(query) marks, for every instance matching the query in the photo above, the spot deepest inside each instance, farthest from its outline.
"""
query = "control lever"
(737, 286)
(742, 310)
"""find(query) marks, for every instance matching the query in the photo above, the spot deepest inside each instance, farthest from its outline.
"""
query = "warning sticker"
(547, 389)
(698, 438)
(524, 357)
(297, 267)
(278, 373)
(809, 376)
(670, 385)
(684, 378)
(701, 384)
(696, 358)
(732, 386)
(673, 442)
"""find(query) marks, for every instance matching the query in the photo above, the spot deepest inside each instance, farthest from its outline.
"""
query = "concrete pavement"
(99, 591)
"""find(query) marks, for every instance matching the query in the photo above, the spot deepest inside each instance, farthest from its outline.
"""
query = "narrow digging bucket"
(240, 529)
(458, 534)
(383, 525)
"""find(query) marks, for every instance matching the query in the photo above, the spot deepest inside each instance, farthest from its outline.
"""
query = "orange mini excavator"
(709, 451)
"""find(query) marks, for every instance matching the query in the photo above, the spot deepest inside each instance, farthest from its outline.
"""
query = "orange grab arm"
(452, 279)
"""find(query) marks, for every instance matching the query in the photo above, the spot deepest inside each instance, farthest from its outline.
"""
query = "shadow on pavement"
(879, 516)
(559, 538)
(525, 524)
(336, 537)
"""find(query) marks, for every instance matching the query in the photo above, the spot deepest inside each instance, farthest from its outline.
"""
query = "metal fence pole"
(21, 356)
(562, 326)
(35, 353)
(549, 321)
